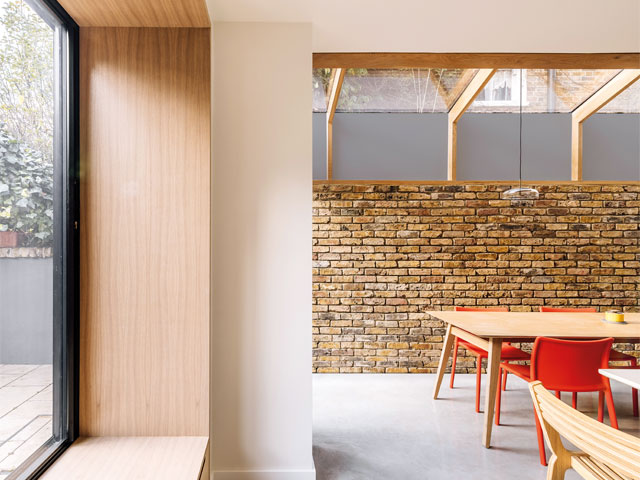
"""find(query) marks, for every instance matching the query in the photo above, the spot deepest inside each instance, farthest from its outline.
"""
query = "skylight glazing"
(543, 90)
(627, 102)
(402, 90)
(320, 83)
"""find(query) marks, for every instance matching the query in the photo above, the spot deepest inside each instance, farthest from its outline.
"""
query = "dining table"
(630, 377)
(488, 330)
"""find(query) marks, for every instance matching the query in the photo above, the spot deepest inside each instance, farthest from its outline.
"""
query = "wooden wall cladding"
(145, 231)
(138, 13)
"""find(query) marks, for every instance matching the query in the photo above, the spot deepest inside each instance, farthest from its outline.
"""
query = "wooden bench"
(605, 453)
(133, 458)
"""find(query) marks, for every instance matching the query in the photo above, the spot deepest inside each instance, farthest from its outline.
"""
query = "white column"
(262, 188)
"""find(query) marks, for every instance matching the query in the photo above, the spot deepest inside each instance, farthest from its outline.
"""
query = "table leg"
(444, 358)
(493, 371)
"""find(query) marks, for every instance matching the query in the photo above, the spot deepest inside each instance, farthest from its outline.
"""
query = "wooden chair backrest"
(618, 450)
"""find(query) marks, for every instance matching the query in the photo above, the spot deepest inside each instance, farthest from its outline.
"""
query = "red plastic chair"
(615, 355)
(509, 353)
(569, 366)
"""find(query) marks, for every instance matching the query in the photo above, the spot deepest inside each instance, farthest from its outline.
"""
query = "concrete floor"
(26, 403)
(387, 427)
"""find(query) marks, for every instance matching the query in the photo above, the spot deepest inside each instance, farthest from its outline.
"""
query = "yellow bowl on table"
(614, 316)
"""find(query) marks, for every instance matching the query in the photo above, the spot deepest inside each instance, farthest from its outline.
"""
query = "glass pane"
(543, 90)
(627, 102)
(402, 90)
(574, 86)
(321, 77)
(26, 232)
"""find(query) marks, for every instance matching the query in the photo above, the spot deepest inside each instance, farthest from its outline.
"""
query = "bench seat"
(139, 458)
(604, 452)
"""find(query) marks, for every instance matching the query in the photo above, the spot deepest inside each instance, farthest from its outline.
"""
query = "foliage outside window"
(26, 192)
(38, 208)
(426, 90)
(26, 124)
(320, 82)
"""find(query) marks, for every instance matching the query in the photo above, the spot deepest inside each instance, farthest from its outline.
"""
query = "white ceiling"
(451, 26)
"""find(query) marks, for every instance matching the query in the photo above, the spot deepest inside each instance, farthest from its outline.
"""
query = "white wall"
(476, 26)
(261, 357)
(461, 26)
(261, 332)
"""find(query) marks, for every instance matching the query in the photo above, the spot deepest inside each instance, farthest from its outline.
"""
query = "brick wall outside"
(570, 88)
(385, 254)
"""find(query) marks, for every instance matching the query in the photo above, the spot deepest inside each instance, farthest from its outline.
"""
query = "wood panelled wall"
(145, 231)
(138, 13)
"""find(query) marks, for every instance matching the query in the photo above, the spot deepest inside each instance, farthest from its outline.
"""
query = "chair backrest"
(480, 309)
(617, 450)
(569, 309)
(570, 365)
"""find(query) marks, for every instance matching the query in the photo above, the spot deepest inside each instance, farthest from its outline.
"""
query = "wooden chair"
(605, 453)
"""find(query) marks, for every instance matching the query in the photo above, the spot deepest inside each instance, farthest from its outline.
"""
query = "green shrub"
(26, 192)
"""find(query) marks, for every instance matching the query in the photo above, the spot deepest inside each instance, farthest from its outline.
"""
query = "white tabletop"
(628, 376)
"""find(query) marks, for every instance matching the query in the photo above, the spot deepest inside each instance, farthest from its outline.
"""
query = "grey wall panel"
(26, 303)
(319, 146)
(488, 146)
(546, 149)
(611, 147)
(398, 146)
(389, 146)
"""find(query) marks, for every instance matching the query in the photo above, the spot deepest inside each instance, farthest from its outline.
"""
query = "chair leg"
(543, 453)
(634, 391)
(574, 400)
(556, 469)
(478, 381)
(496, 416)
(611, 409)
(453, 363)
(504, 381)
(558, 394)
(601, 406)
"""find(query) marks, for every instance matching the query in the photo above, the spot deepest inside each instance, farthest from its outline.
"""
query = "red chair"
(615, 355)
(509, 353)
(569, 366)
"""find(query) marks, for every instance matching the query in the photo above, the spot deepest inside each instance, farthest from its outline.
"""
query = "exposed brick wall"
(385, 254)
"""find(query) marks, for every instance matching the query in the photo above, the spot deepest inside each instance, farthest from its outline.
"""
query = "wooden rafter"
(476, 60)
(335, 85)
(595, 102)
(466, 98)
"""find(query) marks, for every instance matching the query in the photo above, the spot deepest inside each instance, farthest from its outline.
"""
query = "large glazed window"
(37, 235)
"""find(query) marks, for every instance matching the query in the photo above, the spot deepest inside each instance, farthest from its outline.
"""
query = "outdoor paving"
(25, 412)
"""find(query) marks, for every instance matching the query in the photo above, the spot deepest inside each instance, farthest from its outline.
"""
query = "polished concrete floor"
(387, 427)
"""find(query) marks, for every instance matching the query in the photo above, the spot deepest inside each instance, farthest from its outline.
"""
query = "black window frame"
(65, 241)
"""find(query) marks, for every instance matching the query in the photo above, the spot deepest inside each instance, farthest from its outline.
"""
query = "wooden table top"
(537, 324)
